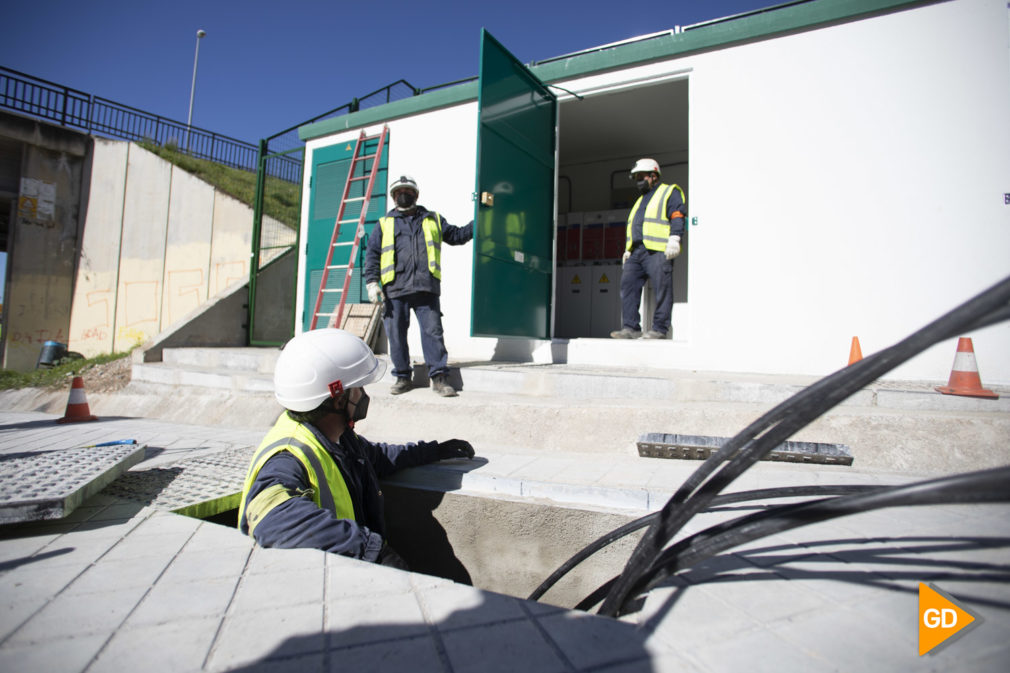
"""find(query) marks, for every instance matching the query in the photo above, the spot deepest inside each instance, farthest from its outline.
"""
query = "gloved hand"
(627, 254)
(454, 448)
(673, 247)
(388, 557)
(374, 293)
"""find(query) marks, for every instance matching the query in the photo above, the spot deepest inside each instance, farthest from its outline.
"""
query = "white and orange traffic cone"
(964, 377)
(77, 404)
(855, 352)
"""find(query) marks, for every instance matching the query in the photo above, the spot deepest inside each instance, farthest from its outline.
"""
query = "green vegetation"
(281, 199)
(56, 375)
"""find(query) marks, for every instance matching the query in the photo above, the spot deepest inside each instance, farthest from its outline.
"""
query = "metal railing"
(72, 108)
(96, 115)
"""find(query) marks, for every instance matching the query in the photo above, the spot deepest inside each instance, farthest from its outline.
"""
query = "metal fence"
(93, 114)
(276, 160)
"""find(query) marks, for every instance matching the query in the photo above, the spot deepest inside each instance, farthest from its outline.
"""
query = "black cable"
(774, 427)
(725, 499)
(984, 486)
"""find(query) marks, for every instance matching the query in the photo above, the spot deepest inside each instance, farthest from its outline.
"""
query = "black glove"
(454, 448)
(388, 557)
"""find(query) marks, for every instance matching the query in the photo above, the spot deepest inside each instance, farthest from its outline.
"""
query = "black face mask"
(643, 186)
(360, 408)
(405, 199)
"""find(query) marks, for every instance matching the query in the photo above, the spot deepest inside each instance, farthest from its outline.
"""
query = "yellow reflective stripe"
(259, 458)
(433, 241)
(387, 253)
(265, 501)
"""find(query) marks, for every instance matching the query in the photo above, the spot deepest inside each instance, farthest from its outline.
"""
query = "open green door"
(514, 222)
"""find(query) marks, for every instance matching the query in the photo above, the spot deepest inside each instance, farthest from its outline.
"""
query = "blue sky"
(266, 66)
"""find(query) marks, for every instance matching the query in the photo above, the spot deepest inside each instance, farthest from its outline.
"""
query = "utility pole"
(192, 89)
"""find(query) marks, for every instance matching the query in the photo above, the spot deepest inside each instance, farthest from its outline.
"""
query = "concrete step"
(534, 408)
(250, 370)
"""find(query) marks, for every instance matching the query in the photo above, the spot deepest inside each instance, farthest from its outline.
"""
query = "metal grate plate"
(39, 485)
(700, 447)
(199, 487)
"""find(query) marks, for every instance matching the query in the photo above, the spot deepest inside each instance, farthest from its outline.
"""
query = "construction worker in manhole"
(313, 482)
(403, 271)
(655, 225)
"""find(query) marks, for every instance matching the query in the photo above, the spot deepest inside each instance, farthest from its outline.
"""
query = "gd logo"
(940, 619)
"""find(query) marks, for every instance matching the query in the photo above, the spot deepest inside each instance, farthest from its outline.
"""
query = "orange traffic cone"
(855, 353)
(77, 404)
(964, 378)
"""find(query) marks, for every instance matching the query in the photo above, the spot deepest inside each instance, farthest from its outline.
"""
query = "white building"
(846, 164)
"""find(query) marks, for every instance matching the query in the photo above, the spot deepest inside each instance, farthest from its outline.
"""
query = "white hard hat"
(645, 166)
(404, 182)
(323, 363)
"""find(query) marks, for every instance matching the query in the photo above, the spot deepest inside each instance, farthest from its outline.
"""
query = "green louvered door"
(329, 173)
(514, 222)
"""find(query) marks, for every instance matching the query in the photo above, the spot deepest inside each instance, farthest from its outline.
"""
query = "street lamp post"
(192, 88)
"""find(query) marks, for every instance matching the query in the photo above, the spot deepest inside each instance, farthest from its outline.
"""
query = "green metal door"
(514, 222)
(329, 173)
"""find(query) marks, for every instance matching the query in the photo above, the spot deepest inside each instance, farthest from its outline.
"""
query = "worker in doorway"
(403, 270)
(655, 225)
(313, 482)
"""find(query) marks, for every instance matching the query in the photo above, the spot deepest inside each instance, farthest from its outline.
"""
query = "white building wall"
(847, 181)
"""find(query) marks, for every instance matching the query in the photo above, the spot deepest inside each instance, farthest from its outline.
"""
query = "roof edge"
(432, 100)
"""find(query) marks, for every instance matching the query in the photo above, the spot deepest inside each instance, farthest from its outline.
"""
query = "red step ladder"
(334, 319)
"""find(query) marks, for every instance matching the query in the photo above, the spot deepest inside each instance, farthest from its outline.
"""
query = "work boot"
(440, 384)
(653, 334)
(625, 333)
(402, 385)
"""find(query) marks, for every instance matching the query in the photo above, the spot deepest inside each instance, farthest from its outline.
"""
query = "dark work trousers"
(396, 319)
(654, 266)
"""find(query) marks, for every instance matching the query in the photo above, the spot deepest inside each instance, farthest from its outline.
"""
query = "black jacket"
(298, 522)
(411, 251)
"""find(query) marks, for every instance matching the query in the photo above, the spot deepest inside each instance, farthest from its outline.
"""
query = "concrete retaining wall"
(158, 244)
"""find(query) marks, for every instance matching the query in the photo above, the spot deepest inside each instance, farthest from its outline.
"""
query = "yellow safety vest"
(328, 489)
(432, 239)
(655, 226)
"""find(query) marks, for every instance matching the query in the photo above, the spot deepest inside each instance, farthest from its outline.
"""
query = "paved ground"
(120, 585)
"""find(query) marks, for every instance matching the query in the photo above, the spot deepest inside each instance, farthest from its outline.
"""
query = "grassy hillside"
(62, 372)
(281, 198)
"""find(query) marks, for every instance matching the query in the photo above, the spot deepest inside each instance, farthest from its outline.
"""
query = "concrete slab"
(192, 593)
(38, 484)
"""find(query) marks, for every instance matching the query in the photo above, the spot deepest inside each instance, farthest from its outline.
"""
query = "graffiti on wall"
(227, 273)
(186, 288)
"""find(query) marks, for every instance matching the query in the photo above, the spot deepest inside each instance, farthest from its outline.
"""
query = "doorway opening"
(599, 138)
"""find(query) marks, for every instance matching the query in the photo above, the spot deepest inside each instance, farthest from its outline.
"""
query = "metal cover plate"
(40, 485)
(198, 487)
(700, 447)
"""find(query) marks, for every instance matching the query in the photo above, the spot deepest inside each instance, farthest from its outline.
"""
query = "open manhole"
(494, 543)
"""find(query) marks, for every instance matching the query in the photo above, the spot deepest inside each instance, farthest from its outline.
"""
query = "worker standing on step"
(655, 225)
(403, 269)
(313, 482)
